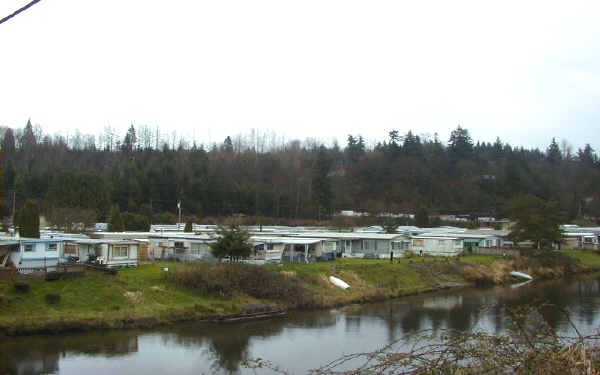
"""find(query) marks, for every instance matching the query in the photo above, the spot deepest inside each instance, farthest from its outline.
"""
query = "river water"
(302, 340)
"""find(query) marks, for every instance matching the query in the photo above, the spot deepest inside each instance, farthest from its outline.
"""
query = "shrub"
(52, 299)
(21, 287)
(409, 254)
(228, 279)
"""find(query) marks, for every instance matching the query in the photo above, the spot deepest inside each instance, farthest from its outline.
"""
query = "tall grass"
(230, 279)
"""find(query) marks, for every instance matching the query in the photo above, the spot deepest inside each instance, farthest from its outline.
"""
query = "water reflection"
(41, 355)
(300, 341)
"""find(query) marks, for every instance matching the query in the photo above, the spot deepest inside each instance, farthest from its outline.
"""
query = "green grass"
(587, 257)
(133, 292)
(485, 260)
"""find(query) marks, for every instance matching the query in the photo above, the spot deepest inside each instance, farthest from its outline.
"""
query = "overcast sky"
(521, 70)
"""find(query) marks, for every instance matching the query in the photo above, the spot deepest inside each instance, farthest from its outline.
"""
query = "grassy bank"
(147, 296)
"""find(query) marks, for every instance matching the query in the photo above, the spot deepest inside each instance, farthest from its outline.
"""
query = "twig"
(24, 8)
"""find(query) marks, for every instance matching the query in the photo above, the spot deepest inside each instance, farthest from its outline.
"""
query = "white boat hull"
(338, 282)
(521, 275)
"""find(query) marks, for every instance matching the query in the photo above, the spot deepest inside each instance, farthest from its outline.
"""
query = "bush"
(52, 299)
(228, 279)
(409, 254)
(21, 287)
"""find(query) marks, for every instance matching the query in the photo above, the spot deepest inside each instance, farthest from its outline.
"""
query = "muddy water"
(300, 341)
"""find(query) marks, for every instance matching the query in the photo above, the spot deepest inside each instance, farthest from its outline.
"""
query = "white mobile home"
(436, 245)
(111, 253)
(357, 244)
(181, 247)
(31, 254)
(299, 249)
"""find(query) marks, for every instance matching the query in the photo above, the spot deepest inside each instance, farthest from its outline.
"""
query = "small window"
(369, 245)
(120, 251)
(52, 247)
(29, 247)
(588, 240)
(70, 248)
(199, 249)
(270, 246)
(178, 244)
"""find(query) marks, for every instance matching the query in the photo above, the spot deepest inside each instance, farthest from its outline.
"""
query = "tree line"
(144, 174)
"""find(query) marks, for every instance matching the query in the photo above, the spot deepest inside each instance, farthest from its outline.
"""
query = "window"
(178, 244)
(52, 247)
(270, 246)
(29, 247)
(488, 243)
(199, 248)
(397, 246)
(369, 244)
(457, 243)
(329, 246)
(70, 248)
(417, 242)
(120, 251)
(588, 240)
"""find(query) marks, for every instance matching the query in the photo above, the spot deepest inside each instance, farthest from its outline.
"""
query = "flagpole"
(179, 208)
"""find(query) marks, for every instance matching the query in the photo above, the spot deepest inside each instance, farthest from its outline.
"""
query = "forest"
(146, 173)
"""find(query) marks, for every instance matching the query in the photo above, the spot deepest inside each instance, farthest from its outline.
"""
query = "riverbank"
(145, 296)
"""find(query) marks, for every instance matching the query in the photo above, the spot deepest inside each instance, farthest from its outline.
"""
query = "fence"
(8, 274)
(498, 251)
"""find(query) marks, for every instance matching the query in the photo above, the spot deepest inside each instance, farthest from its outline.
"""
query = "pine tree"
(232, 242)
(228, 145)
(29, 219)
(422, 218)
(553, 153)
(587, 156)
(536, 220)
(320, 182)
(28, 140)
(460, 144)
(116, 223)
(188, 227)
(8, 143)
(130, 141)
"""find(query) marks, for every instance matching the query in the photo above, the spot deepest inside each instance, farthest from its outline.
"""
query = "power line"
(29, 5)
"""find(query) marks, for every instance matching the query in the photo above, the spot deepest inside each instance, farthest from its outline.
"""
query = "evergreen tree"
(130, 141)
(422, 218)
(228, 145)
(460, 144)
(412, 145)
(29, 219)
(232, 242)
(116, 223)
(553, 153)
(28, 140)
(536, 220)
(8, 143)
(188, 227)
(587, 156)
(320, 182)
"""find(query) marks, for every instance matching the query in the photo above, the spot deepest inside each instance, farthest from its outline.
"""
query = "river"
(300, 341)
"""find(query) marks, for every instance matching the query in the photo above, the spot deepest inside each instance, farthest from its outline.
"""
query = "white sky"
(521, 70)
